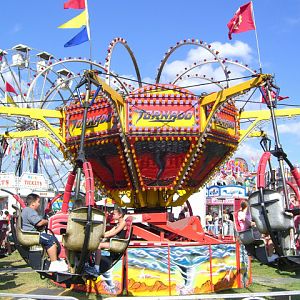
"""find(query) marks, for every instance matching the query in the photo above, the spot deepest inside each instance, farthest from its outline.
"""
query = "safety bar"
(262, 169)
(49, 205)
(89, 184)
(68, 191)
(296, 175)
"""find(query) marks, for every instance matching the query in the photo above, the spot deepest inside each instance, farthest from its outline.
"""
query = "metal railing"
(241, 296)
(35, 297)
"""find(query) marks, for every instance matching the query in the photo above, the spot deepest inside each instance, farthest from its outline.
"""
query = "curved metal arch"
(201, 63)
(110, 49)
(56, 87)
(67, 61)
(198, 77)
(185, 43)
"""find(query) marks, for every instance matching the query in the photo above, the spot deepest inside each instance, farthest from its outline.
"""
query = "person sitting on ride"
(118, 231)
(32, 221)
(6, 242)
(245, 222)
(244, 217)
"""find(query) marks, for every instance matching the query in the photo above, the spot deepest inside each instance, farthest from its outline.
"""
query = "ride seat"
(117, 245)
(279, 219)
(25, 238)
(58, 223)
(248, 236)
(74, 237)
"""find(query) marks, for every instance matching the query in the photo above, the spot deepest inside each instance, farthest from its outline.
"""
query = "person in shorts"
(32, 221)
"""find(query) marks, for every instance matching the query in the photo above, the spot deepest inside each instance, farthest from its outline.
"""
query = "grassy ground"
(265, 279)
(11, 281)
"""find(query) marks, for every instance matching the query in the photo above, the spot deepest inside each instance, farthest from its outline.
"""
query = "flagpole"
(88, 29)
(256, 37)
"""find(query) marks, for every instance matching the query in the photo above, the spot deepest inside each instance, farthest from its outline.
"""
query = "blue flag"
(80, 38)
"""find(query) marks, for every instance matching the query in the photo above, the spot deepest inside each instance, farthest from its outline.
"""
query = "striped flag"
(47, 150)
(81, 20)
(35, 148)
(35, 155)
(23, 150)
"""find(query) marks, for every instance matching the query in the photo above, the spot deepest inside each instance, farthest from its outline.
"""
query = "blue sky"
(151, 27)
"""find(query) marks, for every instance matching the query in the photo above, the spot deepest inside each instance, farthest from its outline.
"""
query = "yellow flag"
(9, 99)
(76, 22)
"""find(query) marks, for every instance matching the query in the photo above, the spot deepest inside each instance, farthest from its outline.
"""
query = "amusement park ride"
(149, 148)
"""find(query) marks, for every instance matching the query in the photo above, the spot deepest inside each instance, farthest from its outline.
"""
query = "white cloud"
(290, 128)
(17, 27)
(211, 69)
(238, 50)
(293, 21)
(249, 150)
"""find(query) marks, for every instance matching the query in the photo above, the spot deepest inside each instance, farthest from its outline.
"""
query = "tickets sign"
(33, 181)
(7, 180)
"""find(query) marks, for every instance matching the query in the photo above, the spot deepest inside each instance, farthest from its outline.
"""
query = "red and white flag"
(9, 88)
(242, 20)
(23, 150)
(264, 97)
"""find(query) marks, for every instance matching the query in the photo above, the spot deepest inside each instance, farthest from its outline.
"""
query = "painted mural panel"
(224, 269)
(148, 271)
(190, 270)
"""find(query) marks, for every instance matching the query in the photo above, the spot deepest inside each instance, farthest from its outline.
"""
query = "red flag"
(242, 20)
(9, 88)
(35, 148)
(75, 4)
(273, 95)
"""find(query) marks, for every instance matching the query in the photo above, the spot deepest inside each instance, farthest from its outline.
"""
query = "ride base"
(155, 265)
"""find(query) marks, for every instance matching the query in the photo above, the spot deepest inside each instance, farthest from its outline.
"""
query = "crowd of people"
(216, 224)
(5, 232)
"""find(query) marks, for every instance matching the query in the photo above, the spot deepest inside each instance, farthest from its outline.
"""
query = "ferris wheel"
(19, 67)
(35, 79)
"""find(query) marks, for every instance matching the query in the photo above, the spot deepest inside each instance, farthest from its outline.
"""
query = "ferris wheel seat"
(279, 219)
(74, 237)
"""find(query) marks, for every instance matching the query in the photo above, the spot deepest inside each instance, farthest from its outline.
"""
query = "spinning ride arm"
(216, 100)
